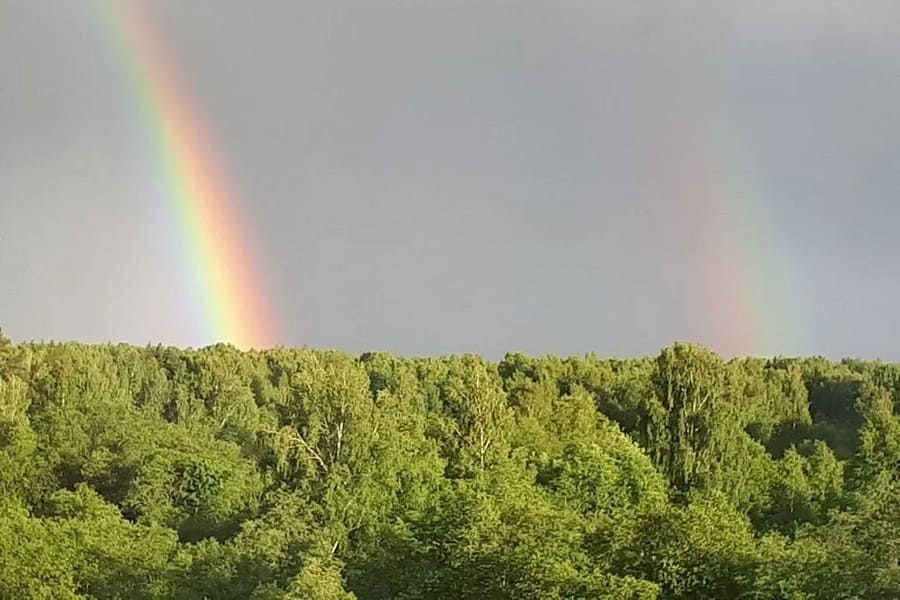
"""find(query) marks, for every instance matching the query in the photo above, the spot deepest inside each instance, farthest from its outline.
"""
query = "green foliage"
(187, 474)
(807, 487)
(705, 549)
(606, 477)
(690, 423)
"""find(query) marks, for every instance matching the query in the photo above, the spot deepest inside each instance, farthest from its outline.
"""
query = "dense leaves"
(166, 473)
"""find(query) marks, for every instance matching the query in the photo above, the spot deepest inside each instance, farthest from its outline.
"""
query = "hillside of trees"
(159, 472)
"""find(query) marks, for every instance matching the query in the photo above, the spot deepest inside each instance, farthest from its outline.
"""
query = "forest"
(213, 473)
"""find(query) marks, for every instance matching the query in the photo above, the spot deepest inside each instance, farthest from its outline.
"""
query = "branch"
(294, 436)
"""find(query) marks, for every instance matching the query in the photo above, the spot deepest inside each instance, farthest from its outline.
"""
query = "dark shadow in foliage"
(840, 437)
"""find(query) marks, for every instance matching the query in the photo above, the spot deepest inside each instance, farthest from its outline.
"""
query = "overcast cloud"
(429, 177)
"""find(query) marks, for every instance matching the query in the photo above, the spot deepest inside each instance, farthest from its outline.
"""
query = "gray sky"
(426, 176)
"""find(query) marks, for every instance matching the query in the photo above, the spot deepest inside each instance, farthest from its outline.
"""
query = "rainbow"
(227, 286)
(743, 282)
(772, 286)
